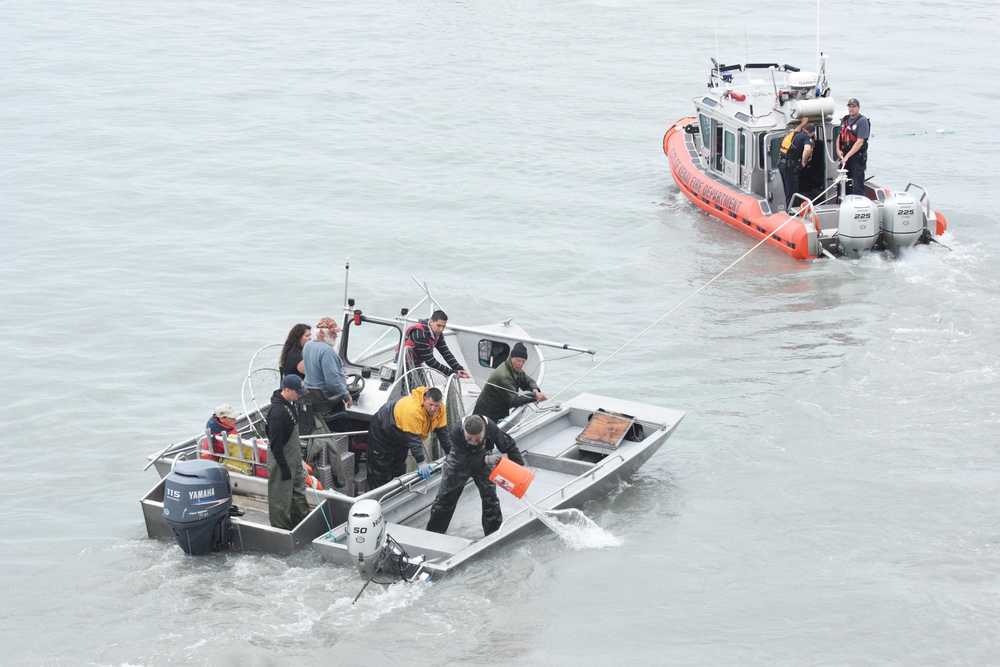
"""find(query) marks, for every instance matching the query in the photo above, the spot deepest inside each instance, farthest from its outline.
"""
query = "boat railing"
(924, 200)
(453, 399)
(418, 376)
(248, 397)
(806, 208)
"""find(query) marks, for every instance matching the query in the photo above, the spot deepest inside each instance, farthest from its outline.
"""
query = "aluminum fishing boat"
(725, 160)
(569, 466)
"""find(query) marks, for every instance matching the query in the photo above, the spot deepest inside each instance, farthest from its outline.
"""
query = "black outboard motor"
(196, 502)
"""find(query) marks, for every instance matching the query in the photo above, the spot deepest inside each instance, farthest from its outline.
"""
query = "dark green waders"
(286, 498)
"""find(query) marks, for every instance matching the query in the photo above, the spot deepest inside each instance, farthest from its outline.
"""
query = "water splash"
(575, 528)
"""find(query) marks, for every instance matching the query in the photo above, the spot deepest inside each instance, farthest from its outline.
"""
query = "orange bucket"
(511, 477)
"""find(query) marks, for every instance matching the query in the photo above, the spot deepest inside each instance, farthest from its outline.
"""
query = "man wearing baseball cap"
(500, 395)
(286, 484)
(852, 146)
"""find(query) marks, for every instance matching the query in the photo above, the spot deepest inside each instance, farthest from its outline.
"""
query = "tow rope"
(671, 309)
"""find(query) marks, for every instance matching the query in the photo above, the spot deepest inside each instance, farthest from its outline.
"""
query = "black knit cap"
(519, 351)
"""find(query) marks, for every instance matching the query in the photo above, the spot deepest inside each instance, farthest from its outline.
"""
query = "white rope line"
(672, 309)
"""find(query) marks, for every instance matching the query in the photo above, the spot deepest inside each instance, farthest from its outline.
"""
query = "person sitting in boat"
(852, 146)
(290, 361)
(401, 426)
(286, 484)
(422, 338)
(325, 383)
(471, 455)
(221, 423)
(796, 158)
(500, 395)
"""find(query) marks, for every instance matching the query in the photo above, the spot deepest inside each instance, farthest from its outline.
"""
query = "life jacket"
(419, 326)
(846, 138)
(786, 143)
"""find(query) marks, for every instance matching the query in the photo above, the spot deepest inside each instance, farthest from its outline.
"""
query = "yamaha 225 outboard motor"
(196, 502)
(858, 225)
(902, 221)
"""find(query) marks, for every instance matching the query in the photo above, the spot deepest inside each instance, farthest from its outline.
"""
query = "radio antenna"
(817, 36)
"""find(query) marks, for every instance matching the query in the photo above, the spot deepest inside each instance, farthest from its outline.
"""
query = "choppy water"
(181, 181)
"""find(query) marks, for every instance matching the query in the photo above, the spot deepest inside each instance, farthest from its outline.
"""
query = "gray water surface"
(183, 181)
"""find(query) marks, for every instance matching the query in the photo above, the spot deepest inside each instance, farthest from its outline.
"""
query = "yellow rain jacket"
(410, 416)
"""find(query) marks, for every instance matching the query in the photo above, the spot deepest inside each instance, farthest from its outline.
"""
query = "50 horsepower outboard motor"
(372, 549)
(858, 225)
(902, 221)
(196, 502)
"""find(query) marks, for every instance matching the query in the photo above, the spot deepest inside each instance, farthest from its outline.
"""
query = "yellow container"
(239, 455)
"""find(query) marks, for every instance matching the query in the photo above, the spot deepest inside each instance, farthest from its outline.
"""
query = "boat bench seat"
(433, 545)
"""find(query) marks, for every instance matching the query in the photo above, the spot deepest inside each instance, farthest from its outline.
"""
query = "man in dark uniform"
(852, 146)
(286, 484)
(795, 160)
(500, 395)
(472, 442)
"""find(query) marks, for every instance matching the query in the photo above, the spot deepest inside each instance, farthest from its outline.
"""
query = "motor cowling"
(196, 502)
(858, 225)
(903, 221)
(366, 536)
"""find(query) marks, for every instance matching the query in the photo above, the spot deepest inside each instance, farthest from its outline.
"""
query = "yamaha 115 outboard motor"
(196, 502)
(372, 548)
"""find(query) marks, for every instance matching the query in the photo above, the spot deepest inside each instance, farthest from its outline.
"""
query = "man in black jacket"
(469, 455)
(792, 163)
(286, 484)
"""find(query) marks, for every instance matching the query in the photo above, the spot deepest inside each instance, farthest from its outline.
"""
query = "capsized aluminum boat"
(568, 472)
(725, 160)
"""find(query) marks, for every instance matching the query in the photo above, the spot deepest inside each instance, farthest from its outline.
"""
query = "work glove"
(286, 474)
(424, 470)
(492, 460)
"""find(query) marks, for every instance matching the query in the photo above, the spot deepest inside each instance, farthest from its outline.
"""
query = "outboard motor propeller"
(372, 548)
(902, 221)
(196, 502)
(858, 225)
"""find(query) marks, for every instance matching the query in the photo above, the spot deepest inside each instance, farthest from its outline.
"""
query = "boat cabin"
(746, 113)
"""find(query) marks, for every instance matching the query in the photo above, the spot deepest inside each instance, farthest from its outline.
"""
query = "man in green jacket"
(500, 395)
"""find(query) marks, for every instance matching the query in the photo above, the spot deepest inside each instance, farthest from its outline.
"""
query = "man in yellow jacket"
(400, 426)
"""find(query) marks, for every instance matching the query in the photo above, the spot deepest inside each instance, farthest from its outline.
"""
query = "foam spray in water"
(575, 528)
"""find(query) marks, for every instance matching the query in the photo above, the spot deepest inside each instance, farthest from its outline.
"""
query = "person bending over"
(470, 455)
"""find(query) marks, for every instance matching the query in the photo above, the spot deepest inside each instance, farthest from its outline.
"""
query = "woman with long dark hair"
(290, 361)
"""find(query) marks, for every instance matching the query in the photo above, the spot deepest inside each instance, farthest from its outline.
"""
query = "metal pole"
(533, 341)
(347, 275)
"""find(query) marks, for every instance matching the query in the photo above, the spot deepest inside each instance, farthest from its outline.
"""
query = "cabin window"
(717, 150)
(730, 147)
(706, 129)
(760, 150)
(743, 149)
(370, 344)
(492, 353)
(776, 149)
